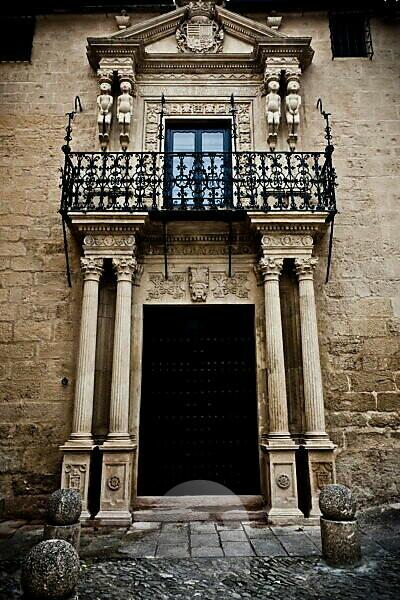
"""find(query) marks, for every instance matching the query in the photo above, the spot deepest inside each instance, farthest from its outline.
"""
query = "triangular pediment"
(153, 44)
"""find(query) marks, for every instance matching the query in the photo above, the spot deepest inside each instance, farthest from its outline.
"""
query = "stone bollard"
(339, 528)
(50, 571)
(64, 508)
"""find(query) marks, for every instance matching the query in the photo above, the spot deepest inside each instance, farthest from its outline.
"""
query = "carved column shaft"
(313, 390)
(83, 407)
(278, 412)
(119, 409)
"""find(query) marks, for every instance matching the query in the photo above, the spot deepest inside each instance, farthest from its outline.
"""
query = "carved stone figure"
(104, 115)
(124, 113)
(273, 110)
(198, 283)
(293, 103)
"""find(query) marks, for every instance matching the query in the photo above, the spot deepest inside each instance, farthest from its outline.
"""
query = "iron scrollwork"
(145, 181)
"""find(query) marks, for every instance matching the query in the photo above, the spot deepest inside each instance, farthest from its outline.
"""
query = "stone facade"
(358, 309)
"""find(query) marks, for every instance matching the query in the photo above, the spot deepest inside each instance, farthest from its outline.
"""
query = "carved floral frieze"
(195, 284)
(198, 108)
(234, 286)
(174, 286)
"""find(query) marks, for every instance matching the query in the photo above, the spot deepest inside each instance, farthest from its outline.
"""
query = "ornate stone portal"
(198, 258)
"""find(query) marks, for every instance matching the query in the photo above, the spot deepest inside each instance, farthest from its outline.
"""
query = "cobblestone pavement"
(209, 560)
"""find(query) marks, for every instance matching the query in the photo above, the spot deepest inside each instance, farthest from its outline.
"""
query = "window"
(198, 163)
(16, 38)
(350, 35)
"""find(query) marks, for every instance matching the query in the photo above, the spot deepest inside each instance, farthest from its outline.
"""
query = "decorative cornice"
(133, 40)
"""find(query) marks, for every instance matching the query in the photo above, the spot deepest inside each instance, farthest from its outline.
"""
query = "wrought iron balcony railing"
(146, 181)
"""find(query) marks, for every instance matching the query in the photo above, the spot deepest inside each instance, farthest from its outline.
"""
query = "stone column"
(77, 450)
(313, 391)
(279, 449)
(278, 412)
(320, 448)
(118, 448)
(119, 409)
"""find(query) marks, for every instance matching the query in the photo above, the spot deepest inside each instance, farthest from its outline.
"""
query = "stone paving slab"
(207, 552)
(237, 535)
(206, 540)
(268, 547)
(237, 549)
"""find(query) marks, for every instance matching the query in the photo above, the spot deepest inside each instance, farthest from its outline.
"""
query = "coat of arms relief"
(200, 31)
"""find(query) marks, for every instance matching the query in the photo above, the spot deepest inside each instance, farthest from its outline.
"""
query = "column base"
(116, 477)
(116, 518)
(75, 472)
(282, 504)
(321, 470)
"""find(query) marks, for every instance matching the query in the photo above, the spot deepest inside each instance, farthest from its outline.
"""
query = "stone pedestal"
(340, 543)
(69, 533)
(116, 485)
(282, 485)
(321, 467)
(75, 473)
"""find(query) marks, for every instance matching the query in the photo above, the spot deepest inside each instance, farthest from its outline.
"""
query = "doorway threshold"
(199, 508)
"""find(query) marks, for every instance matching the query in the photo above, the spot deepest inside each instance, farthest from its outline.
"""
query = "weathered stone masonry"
(358, 310)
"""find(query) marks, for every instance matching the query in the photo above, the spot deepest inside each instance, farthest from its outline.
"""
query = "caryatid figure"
(104, 116)
(273, 110)
(124, 113)
(293, 103)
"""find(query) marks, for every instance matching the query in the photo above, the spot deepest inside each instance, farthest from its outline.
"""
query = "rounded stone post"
(339, 529)
(119, 408)
(277, 399)
(313, 390)
(83, 407)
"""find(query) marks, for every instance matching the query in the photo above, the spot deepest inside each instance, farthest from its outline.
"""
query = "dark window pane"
(348, 35)
(16, 38)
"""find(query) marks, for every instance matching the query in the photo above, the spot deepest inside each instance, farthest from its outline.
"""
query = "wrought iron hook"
(326, 115)
(77, 108)
(161, 123)
(233, 111)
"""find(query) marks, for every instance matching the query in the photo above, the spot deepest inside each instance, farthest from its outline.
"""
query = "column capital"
(124, 268)
(92, 268)
(305, 267)
(270, 267)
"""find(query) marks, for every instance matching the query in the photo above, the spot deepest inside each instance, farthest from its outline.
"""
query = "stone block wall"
(359, 309)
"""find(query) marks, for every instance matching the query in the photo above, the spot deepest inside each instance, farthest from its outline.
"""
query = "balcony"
(202, 184)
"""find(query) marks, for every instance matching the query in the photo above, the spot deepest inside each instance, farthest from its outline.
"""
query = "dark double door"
(198, 418)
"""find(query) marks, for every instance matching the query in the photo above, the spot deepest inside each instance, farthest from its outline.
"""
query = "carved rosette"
(200, 31)
(270, 268)
(305, 267)
(199, 283)
(91, 268)
(109, 241)
(124, 268)
(283, 481)
(114, 483)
